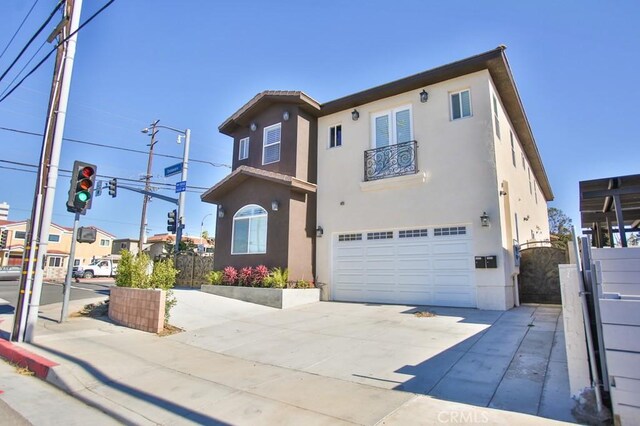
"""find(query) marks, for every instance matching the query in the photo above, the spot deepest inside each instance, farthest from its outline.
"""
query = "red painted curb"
(39, 365)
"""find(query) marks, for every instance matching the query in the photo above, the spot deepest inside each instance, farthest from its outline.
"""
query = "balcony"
(391, 161)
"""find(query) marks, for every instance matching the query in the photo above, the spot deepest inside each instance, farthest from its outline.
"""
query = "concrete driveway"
(512, 360)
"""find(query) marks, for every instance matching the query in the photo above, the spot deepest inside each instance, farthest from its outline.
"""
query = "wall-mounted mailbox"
(481, 262)
(492, 261)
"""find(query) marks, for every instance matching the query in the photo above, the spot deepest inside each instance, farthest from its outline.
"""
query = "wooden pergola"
(610, 205)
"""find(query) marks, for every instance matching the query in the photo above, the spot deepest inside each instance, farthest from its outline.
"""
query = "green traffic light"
(83, 196)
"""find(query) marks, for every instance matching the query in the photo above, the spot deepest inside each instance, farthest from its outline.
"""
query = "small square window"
(19, 235)
(335, 136)
(243, 149)
(460, 104)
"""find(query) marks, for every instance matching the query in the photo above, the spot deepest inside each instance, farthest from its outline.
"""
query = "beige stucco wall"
(523, 200)
(456, 183)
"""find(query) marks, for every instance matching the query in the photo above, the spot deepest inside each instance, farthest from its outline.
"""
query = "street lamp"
(202, 223)
(183, 176)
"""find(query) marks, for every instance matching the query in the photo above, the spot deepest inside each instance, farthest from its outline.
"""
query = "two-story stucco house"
(425, 187)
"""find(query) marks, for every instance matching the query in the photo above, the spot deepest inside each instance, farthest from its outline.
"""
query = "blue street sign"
(181, 186)
(173, 170)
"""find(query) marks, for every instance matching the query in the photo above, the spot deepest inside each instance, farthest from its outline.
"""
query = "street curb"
(13, 353)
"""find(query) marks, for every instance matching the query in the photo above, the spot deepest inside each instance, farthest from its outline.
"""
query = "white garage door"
(420, 266)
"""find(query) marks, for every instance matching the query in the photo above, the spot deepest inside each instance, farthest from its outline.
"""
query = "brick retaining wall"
(142, 309)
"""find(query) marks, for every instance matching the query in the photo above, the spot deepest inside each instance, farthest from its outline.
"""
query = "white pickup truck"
(98, 268)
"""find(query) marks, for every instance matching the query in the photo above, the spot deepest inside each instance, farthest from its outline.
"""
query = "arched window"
(249, 230)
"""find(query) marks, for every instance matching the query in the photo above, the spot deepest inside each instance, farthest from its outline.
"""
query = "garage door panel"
(424, 270)
(413, 250)
(451, 263)
(450, 247)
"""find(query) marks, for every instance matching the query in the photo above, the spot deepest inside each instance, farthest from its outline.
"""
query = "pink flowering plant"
(245, 277)
(260, 274)
(230, 276)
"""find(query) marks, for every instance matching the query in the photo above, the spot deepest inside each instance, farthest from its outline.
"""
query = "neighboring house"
(157, 244)
(128, 244)
(58, 249)
(425, 187)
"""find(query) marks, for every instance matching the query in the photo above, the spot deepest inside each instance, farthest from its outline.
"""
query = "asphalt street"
(52, 293)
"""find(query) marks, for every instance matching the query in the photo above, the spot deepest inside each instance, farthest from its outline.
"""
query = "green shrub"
(277, 278)
(138, 272)
(133, 271)
(215, 277)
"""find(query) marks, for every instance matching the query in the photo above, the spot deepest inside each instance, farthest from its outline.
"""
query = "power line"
(169, 185)
(39, 64)
(23, 68)
(19, 28)
(101, 145)
(33, 37)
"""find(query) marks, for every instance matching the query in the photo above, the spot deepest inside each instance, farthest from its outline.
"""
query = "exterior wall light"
(424, 96)
(285, 115)
(319, 231)
(253, 127)
(275, 205)
(355, 115)
(484, 219)
(220, 212)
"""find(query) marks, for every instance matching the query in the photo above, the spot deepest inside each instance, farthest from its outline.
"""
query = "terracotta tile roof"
(64, 228)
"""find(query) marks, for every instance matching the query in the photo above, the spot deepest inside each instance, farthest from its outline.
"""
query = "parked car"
(104, 267)
(10, 273)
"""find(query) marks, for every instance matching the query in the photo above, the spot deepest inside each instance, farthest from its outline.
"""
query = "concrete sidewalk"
(140, 378)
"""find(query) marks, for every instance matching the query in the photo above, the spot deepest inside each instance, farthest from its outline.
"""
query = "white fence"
(618, 283)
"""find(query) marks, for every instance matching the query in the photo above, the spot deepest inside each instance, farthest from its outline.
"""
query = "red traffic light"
(87, 172)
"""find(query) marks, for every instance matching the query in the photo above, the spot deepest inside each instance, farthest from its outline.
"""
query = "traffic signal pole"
(67, 281)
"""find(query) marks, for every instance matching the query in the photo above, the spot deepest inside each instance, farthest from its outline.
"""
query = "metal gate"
(539, 280)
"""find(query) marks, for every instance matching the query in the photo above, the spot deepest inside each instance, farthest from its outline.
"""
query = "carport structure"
(608, 201)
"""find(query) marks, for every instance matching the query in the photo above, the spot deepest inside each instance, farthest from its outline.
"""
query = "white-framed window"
(55, 261)
(529, 175)
(413, 233)
(513, 149)
(386, 235)
(104, 243)
(350, 237)
(271, 144)
(243, 149)
(335, 136)
(249, 230)
(54, 238)
(524, 167)
(451, 230)
(76, 262)
(495, 116)
(460, 104)
(392, 127)
(19, 235)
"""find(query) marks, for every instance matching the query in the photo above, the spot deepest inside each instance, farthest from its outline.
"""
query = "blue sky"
(193, 63)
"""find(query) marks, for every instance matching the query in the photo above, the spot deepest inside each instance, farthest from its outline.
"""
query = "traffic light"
(172, 224)
(113, 187)
(83, 176)
(3, 238)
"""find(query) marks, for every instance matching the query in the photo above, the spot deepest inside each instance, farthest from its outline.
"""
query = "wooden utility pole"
(30, 286)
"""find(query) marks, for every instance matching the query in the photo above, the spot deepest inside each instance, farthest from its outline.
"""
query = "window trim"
(462, 116)
(265, 145)
(243, 141)
(393, 134)
(16, 235)
(233, 229)
(513, 149)
(334, 127)
(104, 240)
(496, 117)
(56, 238)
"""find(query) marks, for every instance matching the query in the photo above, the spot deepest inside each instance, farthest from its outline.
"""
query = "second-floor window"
(391, 127)
(243, 150)
(271, 144)
(19, 235)
(104, 243)
(513, 149)
(495, 116)
(54, 238)
(460, 104)
(335, 136)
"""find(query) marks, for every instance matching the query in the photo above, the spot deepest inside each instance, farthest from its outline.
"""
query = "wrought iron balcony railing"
(389, 161)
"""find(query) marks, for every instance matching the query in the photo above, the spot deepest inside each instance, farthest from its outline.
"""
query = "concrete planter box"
(281, 298)
(139, 308)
